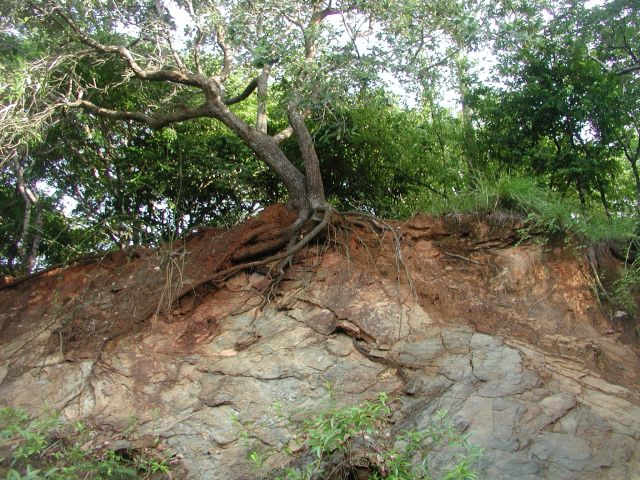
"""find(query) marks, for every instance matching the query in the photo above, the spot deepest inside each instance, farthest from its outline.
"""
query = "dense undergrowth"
(335, 443)
(546, 212)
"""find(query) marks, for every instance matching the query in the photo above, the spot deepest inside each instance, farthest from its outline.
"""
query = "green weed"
(625, 288)
(338, 442)
(546, 212)
(48, 448)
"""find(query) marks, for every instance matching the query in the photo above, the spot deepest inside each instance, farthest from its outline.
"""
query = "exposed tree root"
(285, 256)
(178, 277)
(332, 228)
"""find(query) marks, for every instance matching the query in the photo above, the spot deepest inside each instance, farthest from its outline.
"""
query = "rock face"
(505, 338)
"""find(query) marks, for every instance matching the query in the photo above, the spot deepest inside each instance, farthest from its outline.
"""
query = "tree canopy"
(128, 122)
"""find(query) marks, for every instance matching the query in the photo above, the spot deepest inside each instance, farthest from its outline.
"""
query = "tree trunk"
(35, 241)
(315, 188)
(605, 202)
(30, 199)
(267, 150)
(261, 93)
(636, 177)
(582, 195)
(470, 146)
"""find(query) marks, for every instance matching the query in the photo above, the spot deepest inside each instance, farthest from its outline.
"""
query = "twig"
(462, 258)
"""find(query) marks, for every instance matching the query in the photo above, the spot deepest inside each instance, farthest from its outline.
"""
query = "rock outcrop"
(510, 340)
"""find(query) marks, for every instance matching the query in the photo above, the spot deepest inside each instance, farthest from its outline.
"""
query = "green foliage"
(62, 237)
(340, 440)
(560, 115)
(546, 212)
(554, 118)
(625, 289)
(48, 448)
(375, 155)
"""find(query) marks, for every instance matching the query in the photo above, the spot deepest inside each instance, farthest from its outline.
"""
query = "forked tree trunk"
(306, 190)
(315, 188)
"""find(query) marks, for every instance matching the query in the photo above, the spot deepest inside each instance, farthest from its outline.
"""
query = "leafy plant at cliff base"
(48, 448)
(342, 442)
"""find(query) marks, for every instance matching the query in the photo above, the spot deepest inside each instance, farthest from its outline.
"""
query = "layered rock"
(506, 338)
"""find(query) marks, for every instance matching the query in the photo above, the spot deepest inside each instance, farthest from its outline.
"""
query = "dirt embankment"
(509, 337)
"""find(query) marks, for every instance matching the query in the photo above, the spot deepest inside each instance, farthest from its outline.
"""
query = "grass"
(546, 212)
(47, 448)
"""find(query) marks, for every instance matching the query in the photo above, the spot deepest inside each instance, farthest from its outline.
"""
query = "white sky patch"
(182, 19)
(44, 187)
(68, 204)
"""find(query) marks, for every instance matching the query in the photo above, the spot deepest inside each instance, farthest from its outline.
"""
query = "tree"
(552, 118)
(558, 113)
(302, 54)
(613, 31)
(376, 155)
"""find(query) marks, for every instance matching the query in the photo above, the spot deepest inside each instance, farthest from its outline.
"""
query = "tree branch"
(157, 75)
(287, 132)
(196, 51)
(253, 84)
(174, 52)
(226, 55)
(630, 69)
(155, 122)
(199, 38)
(283, 134)
(624, 71)
(261, 114)
(317, 17)
(309, 32)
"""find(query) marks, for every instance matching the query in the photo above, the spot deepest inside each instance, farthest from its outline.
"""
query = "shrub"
(48, 448)
(353, 441)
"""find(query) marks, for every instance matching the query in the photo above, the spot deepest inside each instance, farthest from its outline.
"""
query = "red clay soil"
(464, 269)
(120, 293)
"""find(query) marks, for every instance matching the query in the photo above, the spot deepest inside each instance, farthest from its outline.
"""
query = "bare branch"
(630, 69)
(599, 62)
(174, 52)
(227, 54)
(199, 37)
(628, 48)
(317, 17)
(624, 71)
(154, 122)
(295, 21)
(155, 75)
(283, 134)
(245, 93)
(309, 32)
(196, 51)
(287, 132)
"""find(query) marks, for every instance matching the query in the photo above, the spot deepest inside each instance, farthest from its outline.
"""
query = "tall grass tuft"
(547, 212)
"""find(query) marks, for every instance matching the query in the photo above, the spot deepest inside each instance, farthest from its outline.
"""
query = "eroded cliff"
(510, 339)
